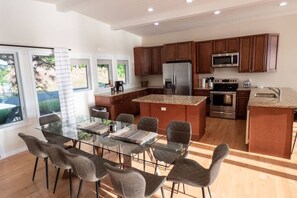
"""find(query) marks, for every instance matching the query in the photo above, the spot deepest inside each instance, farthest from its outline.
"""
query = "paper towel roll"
(203, 81)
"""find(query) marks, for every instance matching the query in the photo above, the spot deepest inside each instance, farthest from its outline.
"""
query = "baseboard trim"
(11, 153)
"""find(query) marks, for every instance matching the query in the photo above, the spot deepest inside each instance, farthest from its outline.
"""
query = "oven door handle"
(222, 112)
(223, 92)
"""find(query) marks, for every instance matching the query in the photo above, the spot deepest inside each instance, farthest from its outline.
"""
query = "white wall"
(286, 67)
(28, 22)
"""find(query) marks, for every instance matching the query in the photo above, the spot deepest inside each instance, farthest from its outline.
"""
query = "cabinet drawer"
(202, 92)
(243, 93)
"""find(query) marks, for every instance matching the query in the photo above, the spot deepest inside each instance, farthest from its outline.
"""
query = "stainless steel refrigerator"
(177, 78)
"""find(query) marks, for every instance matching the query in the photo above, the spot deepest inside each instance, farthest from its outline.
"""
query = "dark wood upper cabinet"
(157, 60)
(178, 51)
(258, 53)
(142, 60)
(204, 57)
(226, 45)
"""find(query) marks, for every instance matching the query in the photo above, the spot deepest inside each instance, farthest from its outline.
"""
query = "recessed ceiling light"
(189, 1)
(217, 12)
(283, 3)
(150, 9)
(156, 23)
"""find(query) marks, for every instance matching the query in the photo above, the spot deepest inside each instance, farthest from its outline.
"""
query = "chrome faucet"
(276, 90)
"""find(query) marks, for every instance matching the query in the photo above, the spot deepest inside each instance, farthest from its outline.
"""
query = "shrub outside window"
(122, 71)
(104, 76)
(79, 73)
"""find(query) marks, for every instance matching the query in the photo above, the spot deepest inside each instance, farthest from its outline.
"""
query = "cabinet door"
(184, 51)
(241, 107)
(245, 56)
(226, 45)
(142, 61)
(146, 61)
(260, 53)
(219, 46)
(170, 52)
(204, 57)
(204, 92)
(232, 45)
(156, 61)
(137, 61)
(242, 99)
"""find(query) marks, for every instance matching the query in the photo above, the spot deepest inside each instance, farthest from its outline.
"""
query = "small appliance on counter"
(119, 86)
(247, 84)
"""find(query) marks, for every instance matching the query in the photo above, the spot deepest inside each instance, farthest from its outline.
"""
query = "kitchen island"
(175, 107)
(270, 121)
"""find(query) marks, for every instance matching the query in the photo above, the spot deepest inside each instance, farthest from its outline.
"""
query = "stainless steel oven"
(223, 104)
(223, 98)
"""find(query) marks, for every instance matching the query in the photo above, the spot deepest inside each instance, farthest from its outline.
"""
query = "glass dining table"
(101, 133)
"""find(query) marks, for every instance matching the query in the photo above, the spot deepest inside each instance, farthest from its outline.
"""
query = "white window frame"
(128, 70)
(89, 71)
(17, 54)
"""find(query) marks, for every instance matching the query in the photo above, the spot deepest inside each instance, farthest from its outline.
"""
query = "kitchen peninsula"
(176, 107)
(270, 121)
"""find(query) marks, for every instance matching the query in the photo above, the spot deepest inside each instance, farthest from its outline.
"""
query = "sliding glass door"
(10, 94)
(45, 83)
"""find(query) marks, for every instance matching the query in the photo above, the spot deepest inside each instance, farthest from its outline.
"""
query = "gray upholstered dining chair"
(126, 118)
(97, 114)
(100, 114)
(52, 138)
(177, 132)
(35, 148)
(88, 169)
(188, 171)
(133, 183)
(59, 160)
(146, 124)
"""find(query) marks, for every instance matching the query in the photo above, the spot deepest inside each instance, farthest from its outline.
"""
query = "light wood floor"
(242, 175)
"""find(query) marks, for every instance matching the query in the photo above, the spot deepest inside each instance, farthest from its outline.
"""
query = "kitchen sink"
(266, 95)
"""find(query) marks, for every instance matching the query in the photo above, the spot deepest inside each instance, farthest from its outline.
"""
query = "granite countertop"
(200, 88)
(288, 98)
(109, 94)
(171, 99)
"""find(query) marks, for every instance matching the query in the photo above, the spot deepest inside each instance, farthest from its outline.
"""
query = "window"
(10, 99)
(79, 73)
(122, 70)
(104, 76)
(45, 83)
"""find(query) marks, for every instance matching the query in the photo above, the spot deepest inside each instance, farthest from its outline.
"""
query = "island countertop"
(287, 99)
(171, 99)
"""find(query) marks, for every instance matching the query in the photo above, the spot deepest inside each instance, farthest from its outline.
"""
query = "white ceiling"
(172, 15)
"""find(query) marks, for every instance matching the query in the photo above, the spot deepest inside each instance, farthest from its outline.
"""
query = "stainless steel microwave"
(225, 60)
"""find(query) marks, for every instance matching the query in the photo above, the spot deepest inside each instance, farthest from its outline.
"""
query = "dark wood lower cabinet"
(204, 92)
(121, 103)
(242, 99)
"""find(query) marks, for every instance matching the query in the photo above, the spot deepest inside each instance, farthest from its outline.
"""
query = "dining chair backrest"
(56, 155)
(126, 183)
(126, 118)
(180, 132)
(219, 154)
(33, 145)
(148, 124)
(82, 166)
(100, 114)
(49, 119)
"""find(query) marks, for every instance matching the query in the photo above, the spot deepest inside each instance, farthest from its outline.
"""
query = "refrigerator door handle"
(173, 84)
